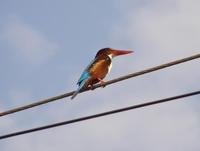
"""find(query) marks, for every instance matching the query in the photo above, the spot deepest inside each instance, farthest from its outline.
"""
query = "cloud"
(27, 42)
(164, 28)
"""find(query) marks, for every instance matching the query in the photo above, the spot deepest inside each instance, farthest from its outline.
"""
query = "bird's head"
(112, 52)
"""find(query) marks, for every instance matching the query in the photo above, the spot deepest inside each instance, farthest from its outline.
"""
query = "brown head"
(112, 52)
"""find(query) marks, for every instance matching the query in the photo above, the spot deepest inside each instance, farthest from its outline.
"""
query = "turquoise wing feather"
(83, 79)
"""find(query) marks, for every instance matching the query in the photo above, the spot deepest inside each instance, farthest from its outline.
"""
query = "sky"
(45, 45)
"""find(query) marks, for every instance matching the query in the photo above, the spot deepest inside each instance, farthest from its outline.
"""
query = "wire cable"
(148, 70)
(100, 114)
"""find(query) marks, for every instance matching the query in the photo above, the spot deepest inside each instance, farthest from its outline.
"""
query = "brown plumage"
(98, 69)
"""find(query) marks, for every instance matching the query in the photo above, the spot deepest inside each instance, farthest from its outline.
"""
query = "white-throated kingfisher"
(98, 68)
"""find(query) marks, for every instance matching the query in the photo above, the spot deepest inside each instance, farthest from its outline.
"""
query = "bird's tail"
(79, 89)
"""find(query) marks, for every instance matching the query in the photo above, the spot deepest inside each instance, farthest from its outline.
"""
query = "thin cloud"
(29, 43)
(167, 29)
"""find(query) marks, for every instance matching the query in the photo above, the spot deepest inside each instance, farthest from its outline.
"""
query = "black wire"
(41, 102)
(99, 115)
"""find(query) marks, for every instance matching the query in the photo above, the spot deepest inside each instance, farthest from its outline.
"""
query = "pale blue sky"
(45, 45)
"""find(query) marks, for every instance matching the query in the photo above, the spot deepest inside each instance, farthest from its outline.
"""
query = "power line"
(100, 114)
(148, 70)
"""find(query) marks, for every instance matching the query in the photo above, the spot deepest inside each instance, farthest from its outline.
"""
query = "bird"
(96, 71)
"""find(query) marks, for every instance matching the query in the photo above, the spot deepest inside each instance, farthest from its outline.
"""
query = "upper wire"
(128, 76)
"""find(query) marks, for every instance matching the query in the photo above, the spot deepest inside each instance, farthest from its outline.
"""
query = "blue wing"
(85, 73)
(81, 82)
(83, 79)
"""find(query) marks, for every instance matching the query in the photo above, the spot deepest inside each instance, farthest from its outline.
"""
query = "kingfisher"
(98, 69)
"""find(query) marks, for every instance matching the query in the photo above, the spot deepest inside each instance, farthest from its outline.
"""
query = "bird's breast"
(101, 67)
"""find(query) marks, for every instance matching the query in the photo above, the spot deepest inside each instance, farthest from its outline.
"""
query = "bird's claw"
(102, 83)
(91, 87)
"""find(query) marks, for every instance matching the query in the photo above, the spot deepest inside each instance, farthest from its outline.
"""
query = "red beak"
(120, 52)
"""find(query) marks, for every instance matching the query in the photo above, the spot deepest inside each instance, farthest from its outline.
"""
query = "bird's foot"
(91, 87)
(102, 83)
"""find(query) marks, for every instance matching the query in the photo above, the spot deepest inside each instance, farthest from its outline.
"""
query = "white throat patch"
(110, 66)
(110, 56)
